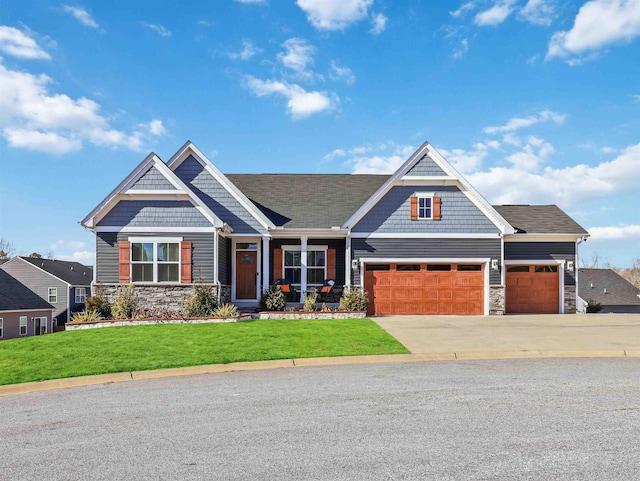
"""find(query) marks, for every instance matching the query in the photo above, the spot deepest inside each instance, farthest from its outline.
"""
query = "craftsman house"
(421, 241)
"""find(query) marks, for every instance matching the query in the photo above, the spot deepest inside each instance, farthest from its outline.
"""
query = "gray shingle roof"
(619, 291)
(539, 219)
(308, 200)
(74, 273)
(16, 296)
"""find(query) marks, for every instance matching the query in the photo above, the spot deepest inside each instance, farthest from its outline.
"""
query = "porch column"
(265, 263)
(303, 264)
(347, 261)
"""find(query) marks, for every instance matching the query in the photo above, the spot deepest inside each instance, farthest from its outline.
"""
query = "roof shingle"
(16, 296)
(619, 292)
(74, 273)
(539, 219)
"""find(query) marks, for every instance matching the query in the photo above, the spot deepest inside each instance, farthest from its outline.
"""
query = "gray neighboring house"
(22, 312)
(607, 287)
(63, 284)
(419, 241)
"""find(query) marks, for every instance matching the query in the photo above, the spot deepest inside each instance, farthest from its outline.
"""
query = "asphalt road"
(568, 419)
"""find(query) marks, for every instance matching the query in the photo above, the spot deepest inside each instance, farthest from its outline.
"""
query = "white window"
(425, 207)
(53, 295)
(1, 326)
(155, 261)
(316, 265)
(23, 325)
(81, 295)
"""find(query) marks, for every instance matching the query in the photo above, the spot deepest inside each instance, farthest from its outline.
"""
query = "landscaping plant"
(202, 302)
(310, 298)
(355, 299)
(273, 299)
(125, 302)
(593, 307)
(88, 315)
(226, 310)
(99, 303)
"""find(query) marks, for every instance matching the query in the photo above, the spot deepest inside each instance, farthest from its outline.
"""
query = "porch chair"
(328, 292)
(287, 289)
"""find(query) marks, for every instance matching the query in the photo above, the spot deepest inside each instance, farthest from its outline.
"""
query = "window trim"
(155, 263)
(1, 327)
(25, 324)
(55, 295)
(425, 195)
(46, 319)
(83, 297)
(310, 248)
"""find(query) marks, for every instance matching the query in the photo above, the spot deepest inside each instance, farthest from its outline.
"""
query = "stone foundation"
(312, 315)
(496, 300)
(569, 299)
(169, 297)
(74, 326)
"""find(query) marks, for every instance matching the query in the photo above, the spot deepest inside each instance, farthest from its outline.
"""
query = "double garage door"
(425, 288)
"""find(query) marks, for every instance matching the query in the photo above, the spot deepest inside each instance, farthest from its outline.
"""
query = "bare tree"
(595, 262)
(7, 250)
(631, 274)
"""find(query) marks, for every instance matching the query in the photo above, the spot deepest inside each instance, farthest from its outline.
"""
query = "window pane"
(316, 258)
(438, 267)
(292, 274)
(517, 268)
(142, 251)
(469, 267)
(546, 268)
(292, 258)
(408, 267)
(315, 276)
(168, 252)
(377, 267)
(167, 272)
(142, 272)
(246, 246)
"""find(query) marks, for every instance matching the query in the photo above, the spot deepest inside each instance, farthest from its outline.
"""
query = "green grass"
(139, 348)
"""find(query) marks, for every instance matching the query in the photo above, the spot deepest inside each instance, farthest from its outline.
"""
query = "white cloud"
(379, 23)
(466, 160)
(81, 15)
(495, 15)
(300, 103)
(517, 123)
(79, 256)
(159, 29)
(465, 7)
(18, 44)
(615, 232)
(32, 117)
(538, 12)
(63, 244)
(341, 73)
(598, 24)
(608, 150)
(334, 14)
(461, 49)
(248, 50)
(388, 157)
(298, 55)
(156, 127)
(335, 153)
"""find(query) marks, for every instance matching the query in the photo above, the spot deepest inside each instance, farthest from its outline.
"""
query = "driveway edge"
(29, 387)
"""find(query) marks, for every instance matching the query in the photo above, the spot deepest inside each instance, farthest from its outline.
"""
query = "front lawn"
(139, 348)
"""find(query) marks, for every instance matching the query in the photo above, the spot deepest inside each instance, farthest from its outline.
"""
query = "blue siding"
(153, 180)
(533, 251)
(426, 167)
(217, 197)
(154, 213)
(392, 214)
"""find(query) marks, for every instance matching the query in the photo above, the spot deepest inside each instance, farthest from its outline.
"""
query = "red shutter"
(277, 265)
(185, 262)
(331, 264)
(436, 208)
(124, 276)
(414, 208)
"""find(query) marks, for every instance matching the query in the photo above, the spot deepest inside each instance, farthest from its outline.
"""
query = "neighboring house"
(63, 284)
(608, 288)
(421, 241)
(22, 311)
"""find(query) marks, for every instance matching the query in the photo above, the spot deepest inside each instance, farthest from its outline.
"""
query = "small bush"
(160, 313)
(273, 299)
(88, 315)
(125, 302)
(310, 298)
(202, 302)
(100, 305)
(226, 310)
(593, 306)
(354, 300)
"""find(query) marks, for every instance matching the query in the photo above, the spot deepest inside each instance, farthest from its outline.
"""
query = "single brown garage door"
(424, 288)
(532, 289)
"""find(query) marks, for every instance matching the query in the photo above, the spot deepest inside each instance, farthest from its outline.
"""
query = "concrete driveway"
(515, 333)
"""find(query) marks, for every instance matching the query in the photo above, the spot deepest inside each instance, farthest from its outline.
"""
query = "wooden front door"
(246, 270)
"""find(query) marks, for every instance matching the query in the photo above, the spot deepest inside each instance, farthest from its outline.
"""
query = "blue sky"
(534, 101)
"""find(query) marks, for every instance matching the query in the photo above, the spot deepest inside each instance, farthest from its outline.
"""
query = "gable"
(217, 197)
(426, 167)
(391, 215)
(155, 214)
(153, 179)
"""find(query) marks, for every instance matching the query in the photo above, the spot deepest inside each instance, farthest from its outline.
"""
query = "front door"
(246, 271)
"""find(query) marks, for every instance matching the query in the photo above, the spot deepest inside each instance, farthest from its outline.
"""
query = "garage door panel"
(531, 292)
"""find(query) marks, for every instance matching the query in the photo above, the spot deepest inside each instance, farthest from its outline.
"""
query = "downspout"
(216, 260)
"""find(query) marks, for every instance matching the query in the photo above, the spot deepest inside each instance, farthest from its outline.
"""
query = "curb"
(29, 387)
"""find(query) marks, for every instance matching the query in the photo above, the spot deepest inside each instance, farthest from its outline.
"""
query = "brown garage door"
(425, 288)
(532, 289)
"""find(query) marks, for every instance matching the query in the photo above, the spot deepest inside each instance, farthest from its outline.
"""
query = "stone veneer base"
(311, 315)
(73, 326)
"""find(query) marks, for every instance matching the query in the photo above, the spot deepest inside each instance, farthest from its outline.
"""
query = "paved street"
(540, 332)
(568, 419)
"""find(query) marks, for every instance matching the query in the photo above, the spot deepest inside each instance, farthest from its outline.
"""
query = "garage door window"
(378, 267)
(438, 267)
(469, 267)
(546, 269)
(517, 268)
(408, 267)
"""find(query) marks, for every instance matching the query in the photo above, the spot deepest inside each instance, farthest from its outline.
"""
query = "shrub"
(100, 305)
(593, 306)
(161, 313)
(226, 310)
(354, 299)
(125, 302)
(273, 299)
(310, 298)
(88, 315)
(202, 302)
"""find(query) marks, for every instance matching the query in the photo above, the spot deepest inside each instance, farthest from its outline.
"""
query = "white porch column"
(303, 264)
(265, 263)
(347, 261)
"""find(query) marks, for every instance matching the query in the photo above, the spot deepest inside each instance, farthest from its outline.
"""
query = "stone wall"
(569, 299)
(74, 326)
(496, 300)
(312, 315)
(169, 297)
